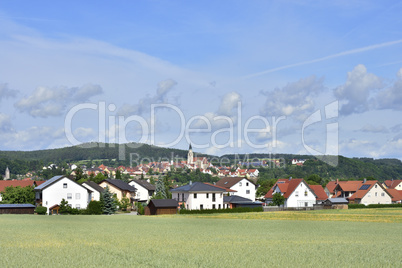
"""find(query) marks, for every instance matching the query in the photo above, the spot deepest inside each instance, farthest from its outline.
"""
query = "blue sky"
(249, 76)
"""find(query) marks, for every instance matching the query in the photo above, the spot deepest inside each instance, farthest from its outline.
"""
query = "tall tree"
(109, 204)
(160, 191)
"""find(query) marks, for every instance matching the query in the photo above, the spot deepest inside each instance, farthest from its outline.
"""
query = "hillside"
(21, 162)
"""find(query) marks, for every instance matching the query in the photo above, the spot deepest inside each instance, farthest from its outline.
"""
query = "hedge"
(354, 206)
(222, 210)
(41, 210)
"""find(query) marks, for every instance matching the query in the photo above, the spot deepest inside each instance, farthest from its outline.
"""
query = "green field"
(282, 239)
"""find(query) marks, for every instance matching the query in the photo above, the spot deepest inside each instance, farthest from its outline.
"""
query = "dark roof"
(228, 182)
(235, 198)
(49, 182)
(16, 206)
(164, 203)
(145, 184)
(338, 200)
(198, 187)
(94, 185)
(121, 185)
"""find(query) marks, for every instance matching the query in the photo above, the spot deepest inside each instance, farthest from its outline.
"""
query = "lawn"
(202, 241)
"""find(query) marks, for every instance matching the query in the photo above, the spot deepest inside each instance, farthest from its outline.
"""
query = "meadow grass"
(200, 241)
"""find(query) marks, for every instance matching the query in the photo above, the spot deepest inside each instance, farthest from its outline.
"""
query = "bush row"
(222, 210)
(354, 206)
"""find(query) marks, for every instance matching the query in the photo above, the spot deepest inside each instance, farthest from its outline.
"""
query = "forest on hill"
(21, 162)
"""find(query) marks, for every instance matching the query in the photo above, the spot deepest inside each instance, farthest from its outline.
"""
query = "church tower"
(7, 175)
(190, 155)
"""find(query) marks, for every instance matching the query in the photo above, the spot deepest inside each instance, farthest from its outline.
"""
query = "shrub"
(224, 210)
(94, 208)
(41, 210)
(353, 206)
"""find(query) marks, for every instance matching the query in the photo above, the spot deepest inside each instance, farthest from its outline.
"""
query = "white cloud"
(34, 138)
(295, 99)
(226, 114)
(46, 101)
(355, 93)
(144, 104)
(391, 98)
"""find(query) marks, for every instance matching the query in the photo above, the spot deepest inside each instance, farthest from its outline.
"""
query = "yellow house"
(120, 188)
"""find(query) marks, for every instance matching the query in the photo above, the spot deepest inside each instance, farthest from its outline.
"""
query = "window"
(219, 206)
(78, 206)
(195, 196)
(64, 185)
(246, 183)
(297, 193)
(240, 184)
(376, 194)
(207, 195)
(305, 193)
(213, 197)
(213, 206)
(376, 186)
(178, 197)
(69, 196)
(306, 204)
(201, 206)
(77, 196)
(247, 191)
(382, 194)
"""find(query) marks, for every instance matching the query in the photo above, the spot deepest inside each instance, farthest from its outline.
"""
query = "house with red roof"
(330, 188)
(320, 193)
(396, 195)
(297, 193)
(393, 184)
(370, 192)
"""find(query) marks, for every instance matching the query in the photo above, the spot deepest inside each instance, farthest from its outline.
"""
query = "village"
(236, 188)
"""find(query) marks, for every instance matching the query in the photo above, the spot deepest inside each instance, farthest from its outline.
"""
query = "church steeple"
(7, 175)
(190, 155)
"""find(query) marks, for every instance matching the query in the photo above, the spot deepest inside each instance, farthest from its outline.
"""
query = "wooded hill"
(21, 162)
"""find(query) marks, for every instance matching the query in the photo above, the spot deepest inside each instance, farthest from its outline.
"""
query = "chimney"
(337, 181)
(190, 182)
(364, 180)
(290, 178)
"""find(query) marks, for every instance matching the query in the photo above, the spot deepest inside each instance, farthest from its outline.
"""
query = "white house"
(370, 192)
(199, 195)
(297, 193)
(144, 190)
(52, 191)
(243, 187)
(95, 189)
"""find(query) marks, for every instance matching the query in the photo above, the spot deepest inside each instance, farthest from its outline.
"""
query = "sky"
(300, 77)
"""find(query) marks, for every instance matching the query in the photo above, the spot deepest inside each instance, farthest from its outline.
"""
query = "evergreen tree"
(109, 205)
(160, 191)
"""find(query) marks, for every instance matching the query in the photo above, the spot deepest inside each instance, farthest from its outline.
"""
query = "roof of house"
(145, 184)
(228, 182)
(395, 194)
(94, 185)
(350, 186)
(198, 187)
(15, 183)
(164, 203)
(236, 199)
(331, 186)
(121, 185)
(364, 189)
(226, 189)
(338, 200)
(319, 192)
(49, 182)
(287, 186)
(392, 183)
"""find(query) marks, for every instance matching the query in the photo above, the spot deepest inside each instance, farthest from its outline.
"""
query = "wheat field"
(227, 240)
